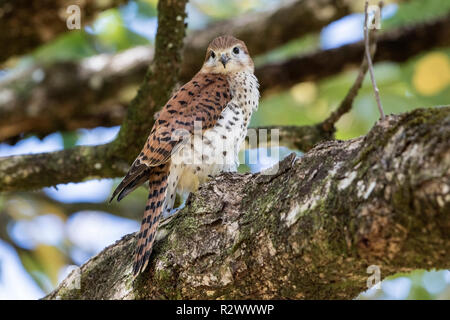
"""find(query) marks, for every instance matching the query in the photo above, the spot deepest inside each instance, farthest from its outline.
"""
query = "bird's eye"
(236, 50)
(213, 55)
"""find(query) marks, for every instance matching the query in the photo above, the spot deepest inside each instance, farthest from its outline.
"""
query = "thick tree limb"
(27, 106)
(29, 24)
(307, 232)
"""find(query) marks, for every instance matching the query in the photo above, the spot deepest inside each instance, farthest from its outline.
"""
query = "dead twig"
(347, 103)
(369, 58)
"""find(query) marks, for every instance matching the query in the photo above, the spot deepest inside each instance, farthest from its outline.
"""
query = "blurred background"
(46, 233)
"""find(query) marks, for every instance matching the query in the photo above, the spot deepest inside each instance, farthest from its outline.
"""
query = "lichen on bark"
(307, 232)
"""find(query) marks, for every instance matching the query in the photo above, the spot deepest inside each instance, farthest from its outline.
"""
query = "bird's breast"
(217, 149)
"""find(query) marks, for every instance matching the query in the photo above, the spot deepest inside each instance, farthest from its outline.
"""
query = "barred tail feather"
(152, 214)
(136, 176)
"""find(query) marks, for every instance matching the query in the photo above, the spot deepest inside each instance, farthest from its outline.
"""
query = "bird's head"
(225, 55)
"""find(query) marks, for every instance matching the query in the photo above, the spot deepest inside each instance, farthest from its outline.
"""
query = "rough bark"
(28, 24)
(307, 232)
(30, 106)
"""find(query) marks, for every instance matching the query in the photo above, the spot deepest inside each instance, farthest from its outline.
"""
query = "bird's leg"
(188, 199)
(170, 212)
(181, 204)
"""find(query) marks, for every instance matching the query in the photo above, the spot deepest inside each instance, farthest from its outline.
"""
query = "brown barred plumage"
(158, 189)
(220, 98)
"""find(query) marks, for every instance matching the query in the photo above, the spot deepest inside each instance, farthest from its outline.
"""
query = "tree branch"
(42, 107)
(308, 232)
(289, 22)
(24, 173)
(412, 40)
(34, 171)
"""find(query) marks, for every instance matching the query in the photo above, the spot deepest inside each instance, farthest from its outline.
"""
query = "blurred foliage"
(420, 82)
(109, 33)
(69, 139)
(219, 9)
(417, 285)
(72, 46)
(290, 49)
(417, 11)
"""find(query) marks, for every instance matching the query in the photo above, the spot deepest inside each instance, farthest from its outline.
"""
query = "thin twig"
(369, 59)
(347, 103)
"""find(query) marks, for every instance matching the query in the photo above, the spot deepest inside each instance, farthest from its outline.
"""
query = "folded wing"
(201, 100)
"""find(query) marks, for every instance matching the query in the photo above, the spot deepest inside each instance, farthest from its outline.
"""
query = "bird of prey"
(197, 134)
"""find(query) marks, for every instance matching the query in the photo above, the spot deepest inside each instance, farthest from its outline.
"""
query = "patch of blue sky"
(396, 289)
(91, 231)
(138, 23)
(447, 276)
(15, 282)
(52, 142)
(89, 191)
(195, 18)
(99, 135)
(435, 281)
(45, 229)
(80, 256)
(349, 29)
(263, 158)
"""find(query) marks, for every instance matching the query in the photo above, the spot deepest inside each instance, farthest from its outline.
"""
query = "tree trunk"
(307, 232)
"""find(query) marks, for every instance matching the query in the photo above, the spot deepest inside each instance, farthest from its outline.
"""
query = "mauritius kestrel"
(214, 108)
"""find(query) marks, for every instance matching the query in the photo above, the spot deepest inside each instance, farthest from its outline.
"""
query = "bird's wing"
(200, 100)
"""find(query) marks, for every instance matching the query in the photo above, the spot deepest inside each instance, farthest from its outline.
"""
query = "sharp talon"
(188, 199)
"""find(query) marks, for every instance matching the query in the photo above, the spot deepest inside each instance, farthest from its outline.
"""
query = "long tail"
(153, 210)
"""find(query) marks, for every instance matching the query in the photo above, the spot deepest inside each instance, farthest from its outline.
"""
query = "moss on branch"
(309, 231)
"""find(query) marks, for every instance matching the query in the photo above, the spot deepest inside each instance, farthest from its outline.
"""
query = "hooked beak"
(224, 59)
